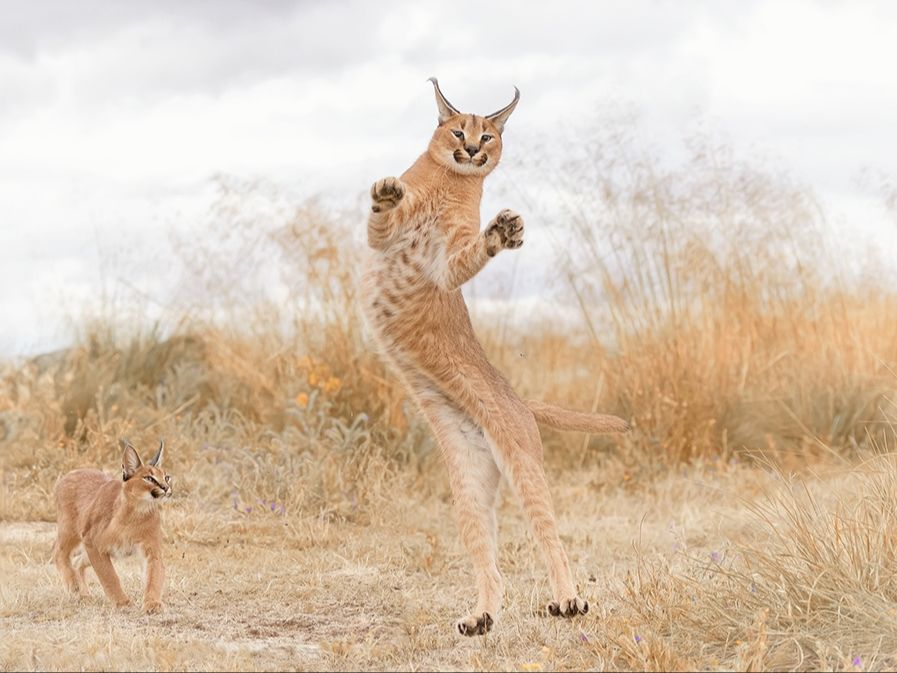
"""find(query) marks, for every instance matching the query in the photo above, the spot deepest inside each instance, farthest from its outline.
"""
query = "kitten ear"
(155, 460)
(130, 460)
(499, 118)
(446, 109)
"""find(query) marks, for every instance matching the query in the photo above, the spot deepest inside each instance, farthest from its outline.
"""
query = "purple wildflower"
(858, 661)
(583, 638)
(715, 556)
(638, 638)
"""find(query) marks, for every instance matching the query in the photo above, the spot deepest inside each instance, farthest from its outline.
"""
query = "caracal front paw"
(569, 607)
(475, 625)
(386, 194)
(505, 231)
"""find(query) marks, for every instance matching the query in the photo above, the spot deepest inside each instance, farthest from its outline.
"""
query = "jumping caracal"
(100, 517)
(424, 231)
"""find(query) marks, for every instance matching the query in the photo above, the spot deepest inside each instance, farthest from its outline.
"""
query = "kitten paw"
(123, 603)
(475, 625)
(152, 607)
(77, 594)
(505, 231)
(386, 194)
(569, 607)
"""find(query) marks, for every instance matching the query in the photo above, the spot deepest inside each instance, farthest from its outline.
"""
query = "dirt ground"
(269, 591)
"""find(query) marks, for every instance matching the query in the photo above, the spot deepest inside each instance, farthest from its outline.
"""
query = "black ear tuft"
(446, 109)
(155, 460)
(501, 117)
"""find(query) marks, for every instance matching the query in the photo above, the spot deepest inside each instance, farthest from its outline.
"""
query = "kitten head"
(467, 143)
(148, 481)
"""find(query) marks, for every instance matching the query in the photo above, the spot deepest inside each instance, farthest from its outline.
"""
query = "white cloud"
(116, 115)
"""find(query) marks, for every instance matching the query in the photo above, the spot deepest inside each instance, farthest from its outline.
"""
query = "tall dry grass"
(714, 312)
(719, 311)
(811, 584)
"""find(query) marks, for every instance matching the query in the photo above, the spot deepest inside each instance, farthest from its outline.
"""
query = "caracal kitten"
(424, 231)
(100, 516)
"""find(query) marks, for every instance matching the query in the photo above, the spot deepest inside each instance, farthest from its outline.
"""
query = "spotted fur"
(425, 239)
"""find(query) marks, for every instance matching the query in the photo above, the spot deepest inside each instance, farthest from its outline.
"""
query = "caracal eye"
(458, 134)
(486, 138)
(168, 478)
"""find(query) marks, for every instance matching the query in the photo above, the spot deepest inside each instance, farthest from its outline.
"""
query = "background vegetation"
(747, 522)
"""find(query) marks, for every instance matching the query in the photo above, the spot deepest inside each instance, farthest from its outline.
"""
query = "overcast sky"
(114, 116)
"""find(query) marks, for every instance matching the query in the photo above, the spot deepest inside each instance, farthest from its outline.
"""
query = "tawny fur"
(426, 242)
(100, 517)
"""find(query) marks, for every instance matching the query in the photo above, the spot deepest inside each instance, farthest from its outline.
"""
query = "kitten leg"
(81, 563)
(155, 578)
(66, 542)
(102, 566)
(474, 479)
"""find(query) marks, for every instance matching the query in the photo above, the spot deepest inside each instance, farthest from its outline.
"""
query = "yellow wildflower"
(302, 400)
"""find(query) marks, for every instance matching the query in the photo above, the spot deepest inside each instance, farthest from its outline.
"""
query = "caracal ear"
(130, 460)
(446, 109)
(155, 460)
(499, 118)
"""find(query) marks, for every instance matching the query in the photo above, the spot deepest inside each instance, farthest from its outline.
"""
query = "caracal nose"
(471, 150)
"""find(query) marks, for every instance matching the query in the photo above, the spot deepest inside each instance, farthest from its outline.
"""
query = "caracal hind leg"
(513, 435)
(474, 479)
(522, 466)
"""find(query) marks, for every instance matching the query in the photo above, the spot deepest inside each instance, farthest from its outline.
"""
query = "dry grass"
(747, 523)
(712, 566)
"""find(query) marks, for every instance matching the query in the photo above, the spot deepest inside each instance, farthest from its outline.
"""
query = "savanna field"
(748, 521)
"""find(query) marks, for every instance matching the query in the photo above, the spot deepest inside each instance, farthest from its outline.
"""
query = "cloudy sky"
(115, 116)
